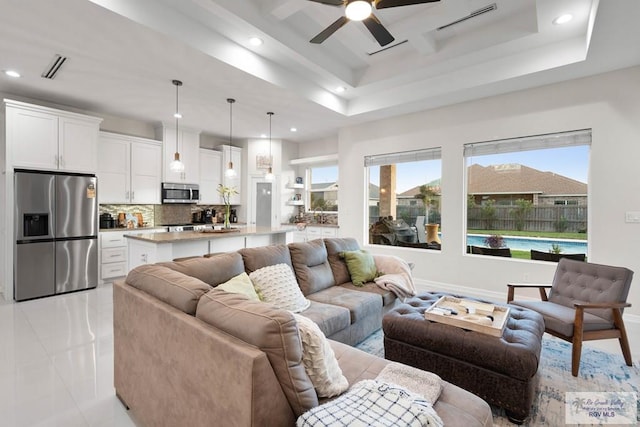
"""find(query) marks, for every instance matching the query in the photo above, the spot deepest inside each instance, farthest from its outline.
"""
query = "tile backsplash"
(156, 215)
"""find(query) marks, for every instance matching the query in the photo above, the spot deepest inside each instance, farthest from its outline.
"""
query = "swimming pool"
(539, 244)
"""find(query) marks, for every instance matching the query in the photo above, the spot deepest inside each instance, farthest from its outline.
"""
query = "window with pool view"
(404, 198)
(528, 197)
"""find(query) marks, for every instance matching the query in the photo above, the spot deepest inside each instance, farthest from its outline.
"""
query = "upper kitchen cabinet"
(129, 169)
(46, 138)
(210, 176)
(189, 149)
(232, 154)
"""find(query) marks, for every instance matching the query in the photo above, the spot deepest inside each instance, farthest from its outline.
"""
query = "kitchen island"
(149, 248)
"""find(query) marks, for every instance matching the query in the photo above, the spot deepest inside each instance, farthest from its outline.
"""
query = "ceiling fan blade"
(329, 2)
(378, 30)
(382, 4)
(330, 30)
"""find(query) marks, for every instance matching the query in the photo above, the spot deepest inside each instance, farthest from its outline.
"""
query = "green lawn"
(550, 234)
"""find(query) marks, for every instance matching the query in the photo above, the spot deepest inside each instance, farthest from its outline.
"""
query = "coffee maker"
(209, 214)
(233, 217)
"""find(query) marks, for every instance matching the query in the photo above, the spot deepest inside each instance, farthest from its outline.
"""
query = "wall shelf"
(295, 186)
(295, 203)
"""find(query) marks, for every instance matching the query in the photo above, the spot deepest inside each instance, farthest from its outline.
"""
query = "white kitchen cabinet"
(310, 233)
(210, 176)
(46, 138)
(113, 255)
(189, 149)
(232, 154)
(129, 169)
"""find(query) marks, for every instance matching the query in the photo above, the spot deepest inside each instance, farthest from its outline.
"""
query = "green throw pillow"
(240, 284)
(361, 265)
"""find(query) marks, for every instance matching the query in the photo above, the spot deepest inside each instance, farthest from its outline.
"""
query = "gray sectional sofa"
(189, 354)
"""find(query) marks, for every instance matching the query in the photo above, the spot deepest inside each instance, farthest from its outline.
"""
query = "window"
(404, 198)
(528, 194)
(323, 188)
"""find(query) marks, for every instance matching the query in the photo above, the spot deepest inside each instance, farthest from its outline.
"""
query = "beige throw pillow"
(276, 284)
(240, 284)
(319, 361)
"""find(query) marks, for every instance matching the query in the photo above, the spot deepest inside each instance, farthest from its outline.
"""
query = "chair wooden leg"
(510, 294)
(624, 340)
(576, 347)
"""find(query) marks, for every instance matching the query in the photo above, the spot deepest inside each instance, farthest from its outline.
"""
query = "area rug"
(599, 371)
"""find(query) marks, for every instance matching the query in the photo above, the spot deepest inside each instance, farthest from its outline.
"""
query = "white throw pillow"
(276, 284)
(319, 360)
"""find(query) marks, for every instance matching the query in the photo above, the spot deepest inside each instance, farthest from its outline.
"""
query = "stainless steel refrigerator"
(56, 233)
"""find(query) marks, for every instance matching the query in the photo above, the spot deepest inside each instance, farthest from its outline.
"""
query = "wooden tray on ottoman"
(478, 321)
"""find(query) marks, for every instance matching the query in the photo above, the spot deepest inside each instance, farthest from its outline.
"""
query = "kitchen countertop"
(186, 236)
(139, 229)
(311, 224)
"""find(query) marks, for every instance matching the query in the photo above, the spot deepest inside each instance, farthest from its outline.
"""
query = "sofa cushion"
(319, 361)
(331, 319)
(311, 264)
(361, 305)
(212, 270)
(277, 285)
(169, 286)
(388, 297)
(338, 265)
(269, 328)
(241, 284)
(264, 256)
(361, 266)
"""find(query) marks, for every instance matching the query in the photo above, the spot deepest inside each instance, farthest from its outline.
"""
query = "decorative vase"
(432, 233)
(226, 216)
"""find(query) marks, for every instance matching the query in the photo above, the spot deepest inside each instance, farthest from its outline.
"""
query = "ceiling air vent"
(473, 14)
(55, 64)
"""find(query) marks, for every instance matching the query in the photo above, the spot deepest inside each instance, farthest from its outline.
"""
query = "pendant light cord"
(230, 101)
(177, 115)
(270, 113)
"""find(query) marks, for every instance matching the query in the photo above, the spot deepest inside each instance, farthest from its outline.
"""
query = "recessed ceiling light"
(341, 89)
(263, 135)
(12, 73)
(255, 41)
(177, 115)
(293, 130)
(563, 19)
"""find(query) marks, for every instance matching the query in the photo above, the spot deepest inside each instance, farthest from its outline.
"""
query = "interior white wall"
(320, 147)
(607, 103)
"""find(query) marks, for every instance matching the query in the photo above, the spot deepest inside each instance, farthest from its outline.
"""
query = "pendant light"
(230, 172)
(176, 165)
(269, 175)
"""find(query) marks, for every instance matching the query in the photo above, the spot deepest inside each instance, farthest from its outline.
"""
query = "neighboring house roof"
(520, 179)
(374, 191)
(412, 192)
(324, 186)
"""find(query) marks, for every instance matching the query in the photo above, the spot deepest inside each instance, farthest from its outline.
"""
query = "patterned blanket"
(373, 403)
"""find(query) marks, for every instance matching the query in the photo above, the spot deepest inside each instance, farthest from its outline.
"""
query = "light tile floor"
(56, 362)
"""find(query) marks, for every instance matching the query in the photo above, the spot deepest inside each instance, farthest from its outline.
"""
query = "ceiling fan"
(362, 10)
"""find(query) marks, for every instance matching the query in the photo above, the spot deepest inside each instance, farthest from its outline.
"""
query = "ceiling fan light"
(358, 10)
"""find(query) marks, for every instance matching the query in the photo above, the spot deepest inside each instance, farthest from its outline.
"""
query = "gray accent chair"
(586, 302)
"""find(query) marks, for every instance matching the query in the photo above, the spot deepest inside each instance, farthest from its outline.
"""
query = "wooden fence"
(572, 219)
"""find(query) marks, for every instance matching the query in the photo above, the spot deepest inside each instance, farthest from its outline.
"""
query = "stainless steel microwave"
(180, 193)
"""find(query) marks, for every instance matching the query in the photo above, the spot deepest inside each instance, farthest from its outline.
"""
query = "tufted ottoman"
(501, 370)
